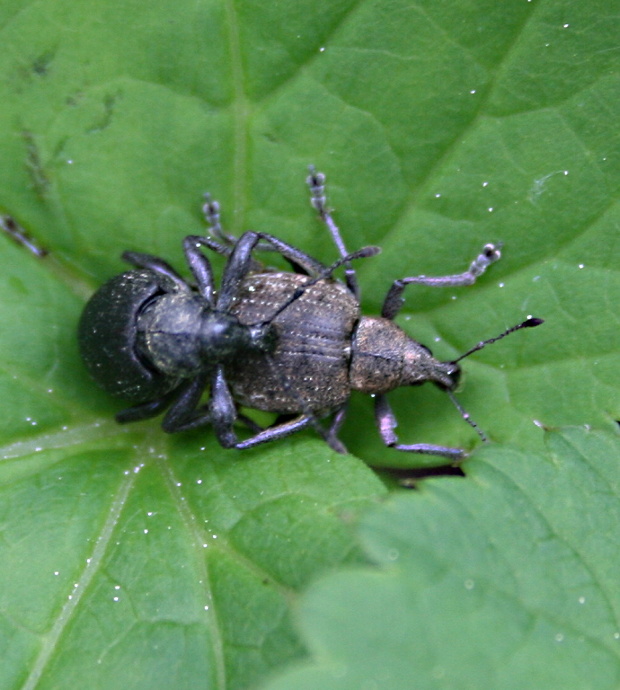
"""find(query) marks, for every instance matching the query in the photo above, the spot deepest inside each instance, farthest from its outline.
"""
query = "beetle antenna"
(362, 253)
(315, 422)
(532, 322)
(466, 416)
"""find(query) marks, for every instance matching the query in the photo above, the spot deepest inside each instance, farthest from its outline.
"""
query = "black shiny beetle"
(293, 343)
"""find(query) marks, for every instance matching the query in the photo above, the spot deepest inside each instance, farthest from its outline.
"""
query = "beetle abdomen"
(107, 337)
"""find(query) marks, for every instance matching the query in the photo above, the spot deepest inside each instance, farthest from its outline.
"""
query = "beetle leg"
(295, 256)
(318, 199)
(236, 269)
(211, 213)
(394, 301)
(155, 264)
(223, 414)
(331, 437)
(240, 263)
(291, 426)
(143, 411)
(386, 422)
(218, 248)
(184, 413)
(275, 432)
(200, 267)
(223, 410)
(306, 416)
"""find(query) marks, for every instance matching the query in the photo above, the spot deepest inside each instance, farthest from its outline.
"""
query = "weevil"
(290, 342)
(151, 337)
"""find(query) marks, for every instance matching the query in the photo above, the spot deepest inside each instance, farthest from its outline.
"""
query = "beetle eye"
(456, 377)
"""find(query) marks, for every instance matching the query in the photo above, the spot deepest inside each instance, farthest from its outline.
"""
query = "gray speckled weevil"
(294, 343)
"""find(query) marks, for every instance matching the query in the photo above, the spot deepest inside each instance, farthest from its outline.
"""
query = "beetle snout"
(448, 376)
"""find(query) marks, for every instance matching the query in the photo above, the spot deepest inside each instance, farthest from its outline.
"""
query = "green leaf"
(505, 579)
(154, 565)
(441, 126)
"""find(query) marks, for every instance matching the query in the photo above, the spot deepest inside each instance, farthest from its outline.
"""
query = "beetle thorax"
(223, 338)
(385, 357)
(180, 335)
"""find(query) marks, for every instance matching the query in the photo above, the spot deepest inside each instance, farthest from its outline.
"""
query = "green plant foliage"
(507, 579)
(132, 559)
